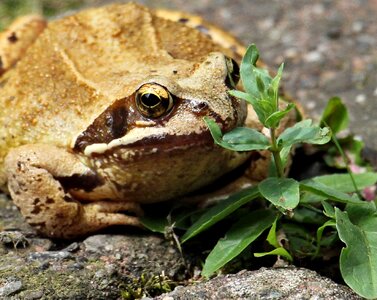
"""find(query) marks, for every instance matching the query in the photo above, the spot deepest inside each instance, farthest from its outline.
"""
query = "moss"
(58, 283)
(146, 285)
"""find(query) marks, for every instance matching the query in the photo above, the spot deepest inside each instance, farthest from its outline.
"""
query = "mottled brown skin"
(75, 150)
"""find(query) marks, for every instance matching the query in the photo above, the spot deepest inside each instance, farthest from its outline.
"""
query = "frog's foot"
(36, 176)
(17, 38)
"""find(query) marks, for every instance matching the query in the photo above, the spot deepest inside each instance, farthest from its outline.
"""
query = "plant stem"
(276, 153)
(346, 162)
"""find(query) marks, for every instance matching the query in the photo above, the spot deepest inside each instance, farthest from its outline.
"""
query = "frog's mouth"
(154, 141)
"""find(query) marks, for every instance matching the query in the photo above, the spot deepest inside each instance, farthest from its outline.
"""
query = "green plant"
(146, 285)
(328, 202)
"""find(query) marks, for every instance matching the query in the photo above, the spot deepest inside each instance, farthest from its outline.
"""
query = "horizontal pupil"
(150, 100)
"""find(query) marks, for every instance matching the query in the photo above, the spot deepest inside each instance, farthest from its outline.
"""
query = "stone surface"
(273, 284)
(101, 266)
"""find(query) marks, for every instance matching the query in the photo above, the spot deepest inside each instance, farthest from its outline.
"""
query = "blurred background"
(329, 46)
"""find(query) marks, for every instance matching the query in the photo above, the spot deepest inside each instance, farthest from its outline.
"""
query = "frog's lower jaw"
(42, 200)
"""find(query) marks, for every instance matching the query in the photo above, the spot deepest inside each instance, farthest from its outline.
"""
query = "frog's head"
(160, 129)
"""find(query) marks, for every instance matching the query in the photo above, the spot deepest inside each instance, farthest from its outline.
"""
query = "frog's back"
(82, 63)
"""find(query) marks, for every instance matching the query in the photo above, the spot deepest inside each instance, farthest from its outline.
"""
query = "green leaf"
(274, 119)
(155, 224)
(304, 132)
(239, 236)
(220, 211)
(242, 95)
(273, 241)
(329, 223)
(271, 237)
(322, 190)
(308, 215)
(342, 183)
(282, 192)
(362, 214)
(245, 139)
(275, 85)
(301, 240)
(277, 251)
(285, 154)
(247, 75)
(358, 261)
(239, 139)
(335, 115)
(260, 85)
(262, 108)
(329, 210)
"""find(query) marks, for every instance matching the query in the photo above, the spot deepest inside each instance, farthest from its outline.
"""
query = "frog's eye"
(153, 100)
(233, 72)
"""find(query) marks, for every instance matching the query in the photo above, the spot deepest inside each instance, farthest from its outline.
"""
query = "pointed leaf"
(220, 211)
(358, 260)
(304, 132)
(280, 251)
(329, 210)
(239, 139)
(335, 115)
(341, 183)
(240, 235)
(271, 237)
(322, 190)
(329, 223)
(247, 75)
(242, 95)
(275, 85)
(155, 224)
(245, 139)
(274, 119)
(282, 192)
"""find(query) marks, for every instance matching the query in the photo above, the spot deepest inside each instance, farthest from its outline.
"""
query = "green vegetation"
(307, 219)
(147, 285)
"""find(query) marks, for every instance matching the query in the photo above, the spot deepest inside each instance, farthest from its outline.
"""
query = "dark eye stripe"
(110, 125)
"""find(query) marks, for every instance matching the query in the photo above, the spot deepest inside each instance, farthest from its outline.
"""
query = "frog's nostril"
(198, 107)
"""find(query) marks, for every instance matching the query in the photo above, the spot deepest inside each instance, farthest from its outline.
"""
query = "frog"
(103, 112)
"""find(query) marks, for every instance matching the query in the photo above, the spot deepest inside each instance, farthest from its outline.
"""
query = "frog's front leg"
(20, 35)
(36, 180)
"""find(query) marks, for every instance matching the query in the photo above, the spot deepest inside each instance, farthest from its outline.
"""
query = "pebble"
(361, 98)
(34, 295)
(10, 288)
(313, 56)
(48, 255)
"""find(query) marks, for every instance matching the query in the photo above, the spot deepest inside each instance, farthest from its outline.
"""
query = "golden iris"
(153, 100)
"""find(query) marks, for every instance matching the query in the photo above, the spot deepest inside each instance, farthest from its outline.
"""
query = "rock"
(101, 266)
(10, 287)
(122, 263)
(275, 283)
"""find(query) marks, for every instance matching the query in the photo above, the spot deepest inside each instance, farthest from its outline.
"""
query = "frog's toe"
(106, 213)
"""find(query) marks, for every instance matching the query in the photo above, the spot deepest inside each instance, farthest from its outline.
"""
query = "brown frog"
(103, 111)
